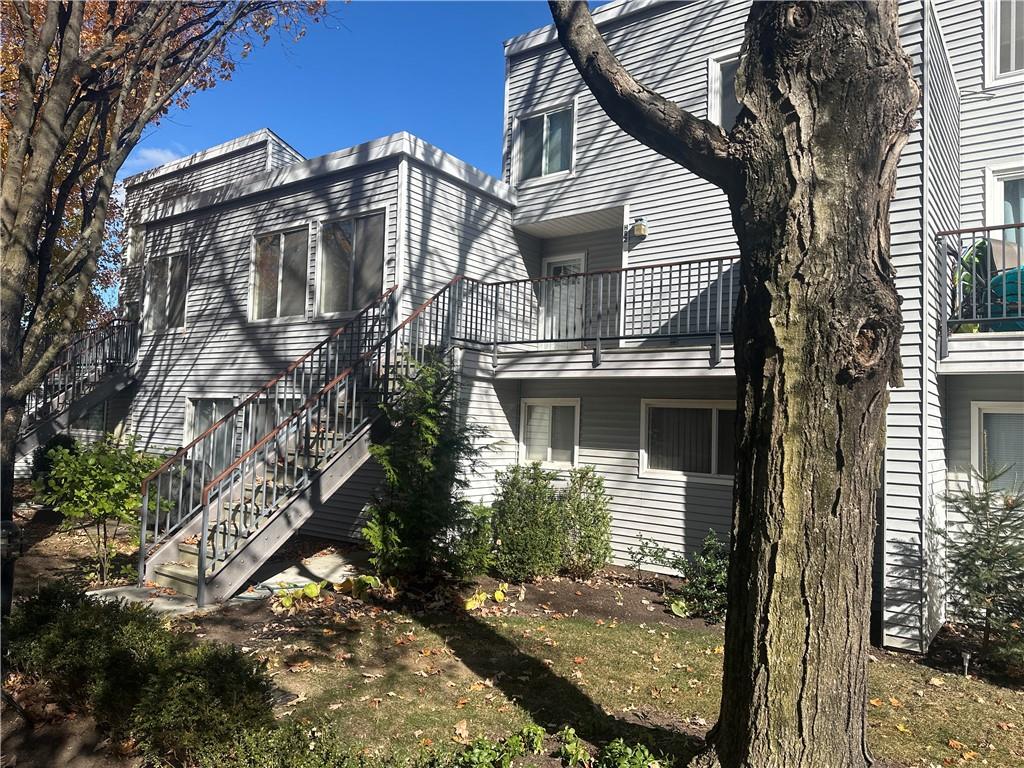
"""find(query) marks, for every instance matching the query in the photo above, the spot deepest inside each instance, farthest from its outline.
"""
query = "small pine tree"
(412, 522)
(984, 543)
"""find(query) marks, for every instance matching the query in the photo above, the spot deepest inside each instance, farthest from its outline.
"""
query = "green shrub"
(200, 698)
(587, 524)
(704, 591)
(474, 543)
(424, 452)
(98, 489)
(94, 653)
(289, 745)
(646, 552)
(137, 678)
(42, 462)
(527, 524)
(985, 564)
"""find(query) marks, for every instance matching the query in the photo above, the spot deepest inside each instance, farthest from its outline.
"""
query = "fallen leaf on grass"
(461, 732)
(875, 702)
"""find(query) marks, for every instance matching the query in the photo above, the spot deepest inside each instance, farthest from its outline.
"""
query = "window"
(684, 437)
(1005, 198)
(723, 108)
(351, 263)
(546, 144)
(166, 287)
(203, 413)
(279, 274)
(549, 431)
(997, 440)
(1004, 25)
(94, 420)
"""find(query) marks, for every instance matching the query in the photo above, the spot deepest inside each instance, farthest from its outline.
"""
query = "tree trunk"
(817, 342)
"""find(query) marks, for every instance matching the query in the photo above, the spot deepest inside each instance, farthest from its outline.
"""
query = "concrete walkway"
(272, 576)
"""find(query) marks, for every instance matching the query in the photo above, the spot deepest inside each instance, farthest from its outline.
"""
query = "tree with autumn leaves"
(81, 81)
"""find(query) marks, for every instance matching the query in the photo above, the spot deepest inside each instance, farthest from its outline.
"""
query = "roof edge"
(263, 135)
(394, 145)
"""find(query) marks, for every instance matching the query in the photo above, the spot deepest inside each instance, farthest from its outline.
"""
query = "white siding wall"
(674, 512)
(454, 229)
(220, 353)
(991, 118)
(668, 48)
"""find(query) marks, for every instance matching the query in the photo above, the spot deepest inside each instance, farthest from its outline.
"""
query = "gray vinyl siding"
(220, 353)
(688, 218)
(454, 229)
(491, 406)
(991, 118)
(941, 137)
(960, 392)
(280, 154)
(675, 512)
(343, 515)
(208, 174)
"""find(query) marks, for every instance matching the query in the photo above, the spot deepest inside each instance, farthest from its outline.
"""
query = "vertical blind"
(1003, 447)
(684, 439)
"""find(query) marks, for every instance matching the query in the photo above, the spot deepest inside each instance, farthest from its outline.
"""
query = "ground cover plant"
(144, 684)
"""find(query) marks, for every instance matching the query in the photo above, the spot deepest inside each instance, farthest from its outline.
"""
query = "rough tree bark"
(828, 98)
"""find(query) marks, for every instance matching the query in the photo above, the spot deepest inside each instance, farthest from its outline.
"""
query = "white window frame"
(978, 409)
(993, 78)
(715, 62)
(524, 403)
(147, 319)
(190, 413)
(995, 175)
(280, 232)
(712, 478)
(318, 275)
(517, 132)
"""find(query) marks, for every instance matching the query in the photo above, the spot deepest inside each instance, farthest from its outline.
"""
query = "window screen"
(550, 433)
(545, 144)
(352, 263)
(729, 107)
(679, 439)
(1010, 55)
(1003, 446)
(279, 284)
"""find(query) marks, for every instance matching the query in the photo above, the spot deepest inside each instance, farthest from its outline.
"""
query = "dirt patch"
(612, 594)
(51, 554)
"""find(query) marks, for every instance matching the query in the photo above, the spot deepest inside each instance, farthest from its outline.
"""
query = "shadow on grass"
(551, 700)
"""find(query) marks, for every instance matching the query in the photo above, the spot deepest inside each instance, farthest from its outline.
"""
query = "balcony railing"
(983, 292)
(653, 302)
(90, 357)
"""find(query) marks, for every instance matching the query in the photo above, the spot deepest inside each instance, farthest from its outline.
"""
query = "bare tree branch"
(698, 145)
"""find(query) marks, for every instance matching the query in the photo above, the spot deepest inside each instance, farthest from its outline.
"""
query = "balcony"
(684, 306)
(982, 301)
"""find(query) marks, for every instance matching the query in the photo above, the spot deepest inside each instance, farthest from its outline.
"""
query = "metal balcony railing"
(91, 357)
(983, 290)
(658, 301)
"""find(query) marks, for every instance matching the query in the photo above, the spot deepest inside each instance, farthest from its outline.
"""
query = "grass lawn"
(617, 665)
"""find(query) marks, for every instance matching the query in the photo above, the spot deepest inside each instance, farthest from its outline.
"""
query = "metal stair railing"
(171, 494)
(287, 459)
(81, 365)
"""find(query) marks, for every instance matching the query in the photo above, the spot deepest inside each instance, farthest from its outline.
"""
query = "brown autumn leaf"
(957, 745)
(578, 660)
(875, 702)
(894, 702)
(461, 732)
(461, 703)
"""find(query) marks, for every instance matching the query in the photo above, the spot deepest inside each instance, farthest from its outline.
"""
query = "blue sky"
(435, 69)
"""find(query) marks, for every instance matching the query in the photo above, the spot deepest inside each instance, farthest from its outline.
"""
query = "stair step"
(180, 577)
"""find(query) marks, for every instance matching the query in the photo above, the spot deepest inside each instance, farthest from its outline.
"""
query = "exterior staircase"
(90, 369)
(206, 529)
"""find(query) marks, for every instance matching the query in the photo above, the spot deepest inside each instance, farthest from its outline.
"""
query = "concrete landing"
(278, 574)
